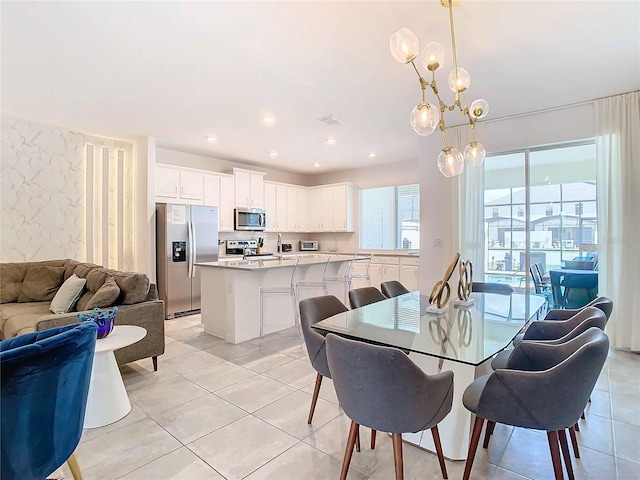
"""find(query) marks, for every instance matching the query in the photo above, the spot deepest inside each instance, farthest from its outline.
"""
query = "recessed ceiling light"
(268, 120)
(273, 154)
(316, 164)
(372, 155)
(331, 141)
(212, 139)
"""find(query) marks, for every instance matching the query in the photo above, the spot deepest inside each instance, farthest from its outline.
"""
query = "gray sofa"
(27, 288)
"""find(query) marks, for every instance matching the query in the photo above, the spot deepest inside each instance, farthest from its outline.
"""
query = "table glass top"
(468, 335)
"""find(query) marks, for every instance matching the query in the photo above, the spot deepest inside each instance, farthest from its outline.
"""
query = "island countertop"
(288, 260)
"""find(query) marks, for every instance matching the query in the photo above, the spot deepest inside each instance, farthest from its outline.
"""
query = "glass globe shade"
(479, 108)
(433, 56)
(425, 118)
(450, 162)
(474, 154)
(404, 45)
(463, 81)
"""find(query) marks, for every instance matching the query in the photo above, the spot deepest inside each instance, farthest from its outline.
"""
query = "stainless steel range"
(237, 247)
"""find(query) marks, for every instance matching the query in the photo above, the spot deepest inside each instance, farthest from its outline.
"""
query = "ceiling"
(180, 71)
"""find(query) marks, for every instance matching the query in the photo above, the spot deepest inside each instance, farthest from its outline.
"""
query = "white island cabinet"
(231, 299)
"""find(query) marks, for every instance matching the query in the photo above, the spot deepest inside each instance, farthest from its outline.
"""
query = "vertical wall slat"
(104, 214)
(97, 207)
(120, 208)
(88, 156)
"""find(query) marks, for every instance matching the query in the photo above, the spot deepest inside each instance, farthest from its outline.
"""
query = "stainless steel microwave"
(250, 219)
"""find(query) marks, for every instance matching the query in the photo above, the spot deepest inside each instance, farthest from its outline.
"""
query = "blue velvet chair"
(44, 379)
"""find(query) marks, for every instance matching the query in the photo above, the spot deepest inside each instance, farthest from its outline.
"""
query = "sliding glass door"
(540, 208)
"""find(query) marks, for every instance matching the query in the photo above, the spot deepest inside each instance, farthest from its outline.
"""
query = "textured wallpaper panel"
(45, 187)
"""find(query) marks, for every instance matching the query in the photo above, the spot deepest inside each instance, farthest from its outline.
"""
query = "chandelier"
(426, 116)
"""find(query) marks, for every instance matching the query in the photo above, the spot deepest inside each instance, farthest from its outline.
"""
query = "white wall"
(65, 194)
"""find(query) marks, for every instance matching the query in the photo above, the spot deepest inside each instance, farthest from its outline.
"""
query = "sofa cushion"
(134, 287)
(106, 295)
(12, 309)
(40, 283)
(68, 294)
(11, 278)
(19, 324)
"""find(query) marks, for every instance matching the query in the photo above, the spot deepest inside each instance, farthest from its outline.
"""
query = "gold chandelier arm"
(453, 45)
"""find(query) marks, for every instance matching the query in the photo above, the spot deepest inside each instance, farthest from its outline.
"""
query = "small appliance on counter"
(237, 247)
(308, 245)
(287, 247)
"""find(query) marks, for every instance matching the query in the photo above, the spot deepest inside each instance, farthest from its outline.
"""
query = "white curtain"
(468, 193)
(618, 199)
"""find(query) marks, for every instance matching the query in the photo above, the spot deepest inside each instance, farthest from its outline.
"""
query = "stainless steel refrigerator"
(185, 235)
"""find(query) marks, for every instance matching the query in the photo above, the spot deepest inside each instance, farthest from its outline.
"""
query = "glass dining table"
(462, 339)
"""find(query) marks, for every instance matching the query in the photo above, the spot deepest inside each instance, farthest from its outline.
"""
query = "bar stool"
(346, 280)
(291, 291)
(314, 284)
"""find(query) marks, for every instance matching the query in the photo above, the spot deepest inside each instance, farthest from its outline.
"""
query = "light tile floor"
(215, 410)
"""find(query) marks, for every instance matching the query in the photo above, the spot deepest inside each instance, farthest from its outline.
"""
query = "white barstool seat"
(290, 290)
(314, 284)
(346, 279)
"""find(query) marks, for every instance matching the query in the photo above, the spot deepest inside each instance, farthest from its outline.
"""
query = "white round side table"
(108, 401)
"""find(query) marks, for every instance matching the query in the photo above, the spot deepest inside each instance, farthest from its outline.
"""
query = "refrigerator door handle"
(193, 249)
(190, 247)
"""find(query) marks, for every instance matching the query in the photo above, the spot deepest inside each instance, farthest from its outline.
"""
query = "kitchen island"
(230, 292)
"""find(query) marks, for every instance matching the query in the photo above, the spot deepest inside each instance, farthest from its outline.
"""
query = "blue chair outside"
(44, 379)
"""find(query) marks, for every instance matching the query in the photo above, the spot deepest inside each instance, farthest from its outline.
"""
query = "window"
(561, 200)
(390, 217)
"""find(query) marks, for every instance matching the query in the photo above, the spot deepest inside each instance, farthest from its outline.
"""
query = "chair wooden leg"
(314, 400)
(155, 363)
(582, 416)
(574, 442)
(436, 440)
(555, 455)
(358, 439)
(348, 452)
(564, 446)
(72, 461)
(473, 446)
(373, 439)
(577, 427)
(396, 438)
(488, 432)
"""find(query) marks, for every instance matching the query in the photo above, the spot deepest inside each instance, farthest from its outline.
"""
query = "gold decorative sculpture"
(441, 290)
(465, 282)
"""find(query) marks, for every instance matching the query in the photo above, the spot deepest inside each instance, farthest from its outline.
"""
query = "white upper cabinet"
(167, 182)
(191, 185)
(249, 188)
(175, 185)
(281, 207)
(297, 209)
(270, 206)
(218, 191)
(331, 208)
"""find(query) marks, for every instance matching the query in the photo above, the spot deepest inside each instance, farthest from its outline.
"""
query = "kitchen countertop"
(398, 253)
(289, 260)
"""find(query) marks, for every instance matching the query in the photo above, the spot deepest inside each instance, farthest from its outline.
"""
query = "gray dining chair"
(360, 297)
(603, 303)
(393, 288)
(551, 398)
(556, 329)
(381, 388)
(547, 333)
(486, 287)
(313, 310)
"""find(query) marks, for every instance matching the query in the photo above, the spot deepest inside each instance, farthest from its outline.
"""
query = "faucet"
(279, 247)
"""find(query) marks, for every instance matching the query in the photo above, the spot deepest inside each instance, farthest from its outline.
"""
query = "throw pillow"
(40, 284)
(106, 295)
(68, 294)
